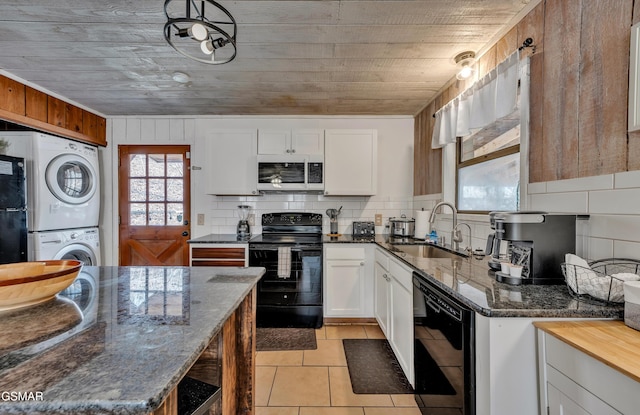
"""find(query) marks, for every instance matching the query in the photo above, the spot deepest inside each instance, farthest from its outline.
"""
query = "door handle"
(185, 233)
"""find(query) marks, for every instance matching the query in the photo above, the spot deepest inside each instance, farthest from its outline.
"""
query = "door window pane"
(156, 190)
(156, 214)
(156, 165)
(137, 190)
(174, 190)
(175, 212)
(138, 214)
(137, 165)
(175, 166)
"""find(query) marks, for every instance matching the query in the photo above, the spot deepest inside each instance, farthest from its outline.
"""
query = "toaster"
(361, 229)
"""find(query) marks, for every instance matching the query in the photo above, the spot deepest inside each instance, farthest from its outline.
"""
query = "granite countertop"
(470, 281)
(119, 344)
(214, 238)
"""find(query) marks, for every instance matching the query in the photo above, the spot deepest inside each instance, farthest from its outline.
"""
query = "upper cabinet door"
(307, 141)
(274, 141)
(351, 162)
(231, 164)
(290, 142)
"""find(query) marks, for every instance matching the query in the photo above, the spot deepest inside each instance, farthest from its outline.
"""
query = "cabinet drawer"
(217, 263)
(354, 253)
(225, 253)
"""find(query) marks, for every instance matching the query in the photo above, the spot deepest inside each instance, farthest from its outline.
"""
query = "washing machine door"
(78, 252)
(71, 179)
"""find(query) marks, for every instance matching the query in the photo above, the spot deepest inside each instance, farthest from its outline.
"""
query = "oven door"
(303, 285)
(444, 352)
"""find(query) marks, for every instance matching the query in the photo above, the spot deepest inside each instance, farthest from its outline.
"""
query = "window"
(488, 173)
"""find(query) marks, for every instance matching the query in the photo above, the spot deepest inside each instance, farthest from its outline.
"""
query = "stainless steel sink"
(426, 251)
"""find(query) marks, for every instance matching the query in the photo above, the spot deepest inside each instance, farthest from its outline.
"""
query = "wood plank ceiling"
(295, 57)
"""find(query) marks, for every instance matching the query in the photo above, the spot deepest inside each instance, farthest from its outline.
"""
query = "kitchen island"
(124, 342)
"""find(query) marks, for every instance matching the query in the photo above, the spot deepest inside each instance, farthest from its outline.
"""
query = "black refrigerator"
(13, 210)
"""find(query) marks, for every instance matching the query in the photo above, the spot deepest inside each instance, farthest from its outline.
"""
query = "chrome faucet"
(456, 235)
(467, 248)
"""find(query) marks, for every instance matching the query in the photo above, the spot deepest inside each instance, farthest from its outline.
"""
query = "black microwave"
(291, 172)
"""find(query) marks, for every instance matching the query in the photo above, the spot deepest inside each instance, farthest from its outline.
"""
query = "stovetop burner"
(290, 228)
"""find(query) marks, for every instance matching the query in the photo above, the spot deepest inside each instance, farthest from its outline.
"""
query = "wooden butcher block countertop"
(611, 342)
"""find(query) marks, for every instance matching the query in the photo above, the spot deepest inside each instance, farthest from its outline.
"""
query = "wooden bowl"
(27, 283)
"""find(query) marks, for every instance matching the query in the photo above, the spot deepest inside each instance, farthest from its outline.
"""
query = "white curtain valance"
(488, 99)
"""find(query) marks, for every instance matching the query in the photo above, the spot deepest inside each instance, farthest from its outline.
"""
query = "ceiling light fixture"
(465, 61)
(181, 77)
(196, 34)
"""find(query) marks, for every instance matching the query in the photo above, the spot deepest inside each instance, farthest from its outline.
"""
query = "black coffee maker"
(538, 241)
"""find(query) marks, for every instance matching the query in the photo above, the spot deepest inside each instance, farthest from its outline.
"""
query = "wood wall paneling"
(89, 124)
(487, 62)
(532, 25)
(72, 118)
(560, 107)
(55, 111)
(12, 95)
(36, 104)
(507, 45)
(536, 142)
(604, 86)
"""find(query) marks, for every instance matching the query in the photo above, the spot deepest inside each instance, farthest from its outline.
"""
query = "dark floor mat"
(436, 382)
(373, 368)
(268, 338)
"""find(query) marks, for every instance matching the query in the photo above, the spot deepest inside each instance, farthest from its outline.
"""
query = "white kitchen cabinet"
(394, 307)
(291, 141)
(348, 281)
(351, 162)
(576, 383)
(230, 163)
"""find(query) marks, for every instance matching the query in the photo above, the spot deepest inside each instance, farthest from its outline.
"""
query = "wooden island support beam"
(228, 362)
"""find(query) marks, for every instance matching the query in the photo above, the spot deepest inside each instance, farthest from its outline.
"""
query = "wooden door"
(154, 191)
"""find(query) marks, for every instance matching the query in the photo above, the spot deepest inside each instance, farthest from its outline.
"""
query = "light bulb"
(198, 31)
(465, 72)
(207, 47)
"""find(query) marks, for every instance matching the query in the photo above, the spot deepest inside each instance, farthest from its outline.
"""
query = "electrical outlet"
(252, 219)
(200, 218)
(378, 219)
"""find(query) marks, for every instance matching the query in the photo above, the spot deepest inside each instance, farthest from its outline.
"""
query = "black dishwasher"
(444, 351)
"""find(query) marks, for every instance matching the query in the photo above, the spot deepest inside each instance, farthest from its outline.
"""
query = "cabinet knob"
(326, 193)
(288, 151)
(362, 263)
(293, 150)
(253, 192)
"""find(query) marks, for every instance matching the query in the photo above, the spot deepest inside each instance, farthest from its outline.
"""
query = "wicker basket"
(602, 282)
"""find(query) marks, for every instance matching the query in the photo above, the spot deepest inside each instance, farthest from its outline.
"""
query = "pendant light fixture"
(200, 30)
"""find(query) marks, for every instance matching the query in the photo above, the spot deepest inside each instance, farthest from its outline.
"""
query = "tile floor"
(316, 382)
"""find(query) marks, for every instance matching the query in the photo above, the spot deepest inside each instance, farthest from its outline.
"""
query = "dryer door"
(71, 179)
(78, 252)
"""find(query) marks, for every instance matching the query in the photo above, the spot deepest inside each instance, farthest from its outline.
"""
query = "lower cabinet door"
(402, 327)
(345, 288)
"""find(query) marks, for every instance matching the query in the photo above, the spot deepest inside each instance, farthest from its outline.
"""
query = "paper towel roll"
(422, 223)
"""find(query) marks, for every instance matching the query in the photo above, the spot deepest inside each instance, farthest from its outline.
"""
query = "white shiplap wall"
(395, 171)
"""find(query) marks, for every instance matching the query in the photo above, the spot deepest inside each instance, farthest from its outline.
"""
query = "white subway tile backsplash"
(618, 227)
(622, 249)
(627, 179)
(597, 248)
(581, 184)
(539, 187)
(574, 202)
(620, 201)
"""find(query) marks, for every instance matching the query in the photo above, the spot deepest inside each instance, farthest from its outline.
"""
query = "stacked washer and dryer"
(63, 196)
